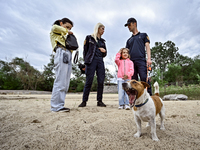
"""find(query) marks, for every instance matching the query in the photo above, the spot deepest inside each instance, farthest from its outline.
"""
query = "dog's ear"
(145, 84)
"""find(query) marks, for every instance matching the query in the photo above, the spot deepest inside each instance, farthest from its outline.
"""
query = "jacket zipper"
(124, 68)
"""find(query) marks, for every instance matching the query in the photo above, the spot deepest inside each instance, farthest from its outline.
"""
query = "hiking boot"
(83, 104)
(64, 110)
(101, 104)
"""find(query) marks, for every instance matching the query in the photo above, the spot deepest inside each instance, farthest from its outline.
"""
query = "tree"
(174, 72)
(163, 55)
(27, 74)
(8, 77)
(48, 76)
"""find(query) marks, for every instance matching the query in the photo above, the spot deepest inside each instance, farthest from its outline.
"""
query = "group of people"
(131, 62)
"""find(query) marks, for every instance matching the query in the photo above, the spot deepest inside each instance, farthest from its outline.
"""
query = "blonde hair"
(96, 28)
(122, 51)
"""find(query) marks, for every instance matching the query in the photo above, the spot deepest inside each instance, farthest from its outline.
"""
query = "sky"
(25, 25)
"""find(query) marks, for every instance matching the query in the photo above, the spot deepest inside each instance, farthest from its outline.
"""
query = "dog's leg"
(162, 117)
(153, 129)
(138, 123)
(147, 124)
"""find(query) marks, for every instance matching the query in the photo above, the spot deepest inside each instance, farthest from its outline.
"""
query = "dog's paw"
(137, 135)
(162, 128)
(156, 139)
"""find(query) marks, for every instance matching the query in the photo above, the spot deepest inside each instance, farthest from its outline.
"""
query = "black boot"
(83, 104)
(101, 104)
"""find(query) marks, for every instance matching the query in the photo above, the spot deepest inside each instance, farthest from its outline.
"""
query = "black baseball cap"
(129, 21)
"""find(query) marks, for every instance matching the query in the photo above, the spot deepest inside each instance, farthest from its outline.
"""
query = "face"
(134, 89)
(66, 25)
(125, 54)
(101, 30)
(131, 26)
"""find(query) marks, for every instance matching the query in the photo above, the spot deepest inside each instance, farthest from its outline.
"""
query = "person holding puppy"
(93, 53)
(137, 44)
(62, 68)
(125, 72)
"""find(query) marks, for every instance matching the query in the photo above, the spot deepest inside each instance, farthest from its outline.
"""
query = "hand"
(125, 77)
(83, 69)
(149, 62)
(102, 50)
(120, 50)
(70, 32)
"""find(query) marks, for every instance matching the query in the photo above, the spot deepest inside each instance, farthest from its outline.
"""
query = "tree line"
(18, 74)
(168, 65)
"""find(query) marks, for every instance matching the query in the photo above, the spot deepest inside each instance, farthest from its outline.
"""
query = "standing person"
(62, 70)
(125, 72)
(93, 54)
(137, 44)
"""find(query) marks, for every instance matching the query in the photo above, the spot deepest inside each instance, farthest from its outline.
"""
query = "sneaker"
(121, 107)
(83, 104)
(101, 104)
(64, 110)
(127, 107)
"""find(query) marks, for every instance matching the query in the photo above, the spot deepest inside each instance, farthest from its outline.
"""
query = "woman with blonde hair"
(93, 53)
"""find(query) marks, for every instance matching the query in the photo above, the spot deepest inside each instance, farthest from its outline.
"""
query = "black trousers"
(97, 65)
(140, 68)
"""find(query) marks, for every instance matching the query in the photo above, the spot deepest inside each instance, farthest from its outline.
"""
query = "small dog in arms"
(144, 106)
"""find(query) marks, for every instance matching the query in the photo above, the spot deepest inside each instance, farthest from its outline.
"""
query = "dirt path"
(27, 123)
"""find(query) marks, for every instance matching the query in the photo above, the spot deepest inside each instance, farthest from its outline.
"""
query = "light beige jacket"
(56, 37)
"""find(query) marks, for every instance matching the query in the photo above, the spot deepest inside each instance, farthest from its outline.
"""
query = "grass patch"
(192, 91)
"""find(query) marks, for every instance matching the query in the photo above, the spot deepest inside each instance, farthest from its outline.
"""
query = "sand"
(26, 122)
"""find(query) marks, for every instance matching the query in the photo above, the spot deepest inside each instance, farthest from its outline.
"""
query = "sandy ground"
(26, 122)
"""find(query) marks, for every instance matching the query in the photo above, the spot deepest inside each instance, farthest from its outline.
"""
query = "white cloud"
(25, 25)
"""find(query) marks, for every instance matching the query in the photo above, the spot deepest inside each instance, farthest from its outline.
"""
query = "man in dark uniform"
(137, 44)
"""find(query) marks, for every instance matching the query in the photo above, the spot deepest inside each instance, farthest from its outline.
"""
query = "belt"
(61, 46)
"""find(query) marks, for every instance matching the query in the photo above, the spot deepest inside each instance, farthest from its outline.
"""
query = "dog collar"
(142, 104)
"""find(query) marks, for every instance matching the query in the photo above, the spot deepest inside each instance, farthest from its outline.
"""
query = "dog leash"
(76, 57)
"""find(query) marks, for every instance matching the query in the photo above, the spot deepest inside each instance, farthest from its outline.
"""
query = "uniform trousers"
(97, 65)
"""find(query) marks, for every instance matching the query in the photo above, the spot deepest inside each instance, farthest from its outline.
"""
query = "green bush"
(192, 91)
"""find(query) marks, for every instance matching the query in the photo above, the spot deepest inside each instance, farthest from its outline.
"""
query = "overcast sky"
(25, 25)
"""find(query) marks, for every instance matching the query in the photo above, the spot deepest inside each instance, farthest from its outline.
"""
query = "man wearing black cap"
(136, 45)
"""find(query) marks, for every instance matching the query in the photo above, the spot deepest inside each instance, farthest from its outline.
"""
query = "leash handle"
(76, 57)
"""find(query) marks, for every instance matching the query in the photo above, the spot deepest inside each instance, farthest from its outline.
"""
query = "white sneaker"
(121, 107)
(127, 107)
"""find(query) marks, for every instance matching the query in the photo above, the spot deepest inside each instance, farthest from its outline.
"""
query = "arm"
(131, 71)
(149, 62)
(59, 29)
(85, 47)
(117, 58)
(103, 50)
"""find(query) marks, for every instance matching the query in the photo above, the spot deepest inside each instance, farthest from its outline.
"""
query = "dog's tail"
(156, 88)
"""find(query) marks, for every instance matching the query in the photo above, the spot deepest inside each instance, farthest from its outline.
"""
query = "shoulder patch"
(84, 42)
(148, 38)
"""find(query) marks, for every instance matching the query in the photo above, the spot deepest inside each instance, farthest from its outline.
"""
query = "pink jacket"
(125, 67)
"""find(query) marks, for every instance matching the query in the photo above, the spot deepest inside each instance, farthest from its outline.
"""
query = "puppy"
(145, 107)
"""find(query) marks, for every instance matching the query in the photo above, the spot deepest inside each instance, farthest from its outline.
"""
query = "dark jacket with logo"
(89, 48)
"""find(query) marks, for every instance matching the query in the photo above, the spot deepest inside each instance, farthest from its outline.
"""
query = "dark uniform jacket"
(90, 46)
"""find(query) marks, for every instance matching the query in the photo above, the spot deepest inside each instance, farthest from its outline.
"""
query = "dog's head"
(134, 89)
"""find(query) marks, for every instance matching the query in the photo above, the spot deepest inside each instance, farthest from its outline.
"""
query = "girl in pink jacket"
(125, 72)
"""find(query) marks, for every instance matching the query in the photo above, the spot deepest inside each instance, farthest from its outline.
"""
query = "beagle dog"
(144, 106)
